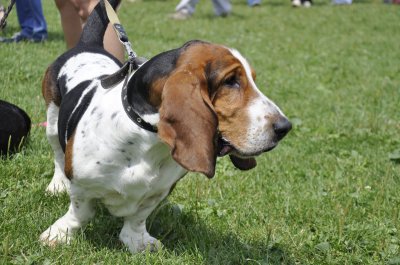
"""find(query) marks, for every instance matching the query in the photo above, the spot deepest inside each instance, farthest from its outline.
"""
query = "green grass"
(329, 194)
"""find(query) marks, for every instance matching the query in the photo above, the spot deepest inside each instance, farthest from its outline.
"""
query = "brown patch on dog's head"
(202, 100)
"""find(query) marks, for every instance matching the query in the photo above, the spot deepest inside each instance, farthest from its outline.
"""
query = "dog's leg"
(79, 213)
(134, 233)
(135, 236)
(59, 182)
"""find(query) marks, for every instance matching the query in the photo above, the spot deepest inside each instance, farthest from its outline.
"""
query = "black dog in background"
(15, 125)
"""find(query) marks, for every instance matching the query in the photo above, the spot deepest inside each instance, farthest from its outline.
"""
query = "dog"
(15, 126)
(197, 102)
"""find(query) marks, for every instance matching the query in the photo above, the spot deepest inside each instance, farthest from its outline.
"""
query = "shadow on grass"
(55, 36)
(186, 233)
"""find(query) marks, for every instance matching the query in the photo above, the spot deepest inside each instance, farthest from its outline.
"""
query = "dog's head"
(210, 106)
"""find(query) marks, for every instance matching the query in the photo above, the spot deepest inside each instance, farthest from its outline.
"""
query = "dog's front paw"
(58, 185)
(54, 236)
(145, 243)
(152, 245)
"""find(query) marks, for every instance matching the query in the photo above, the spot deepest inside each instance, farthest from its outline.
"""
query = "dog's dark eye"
(232, 82)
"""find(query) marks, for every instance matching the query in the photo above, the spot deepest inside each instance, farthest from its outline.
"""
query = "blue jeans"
(253, 2)
(31, 19)
(221, 7)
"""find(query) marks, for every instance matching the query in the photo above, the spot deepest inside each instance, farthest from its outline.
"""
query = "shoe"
(307, 4)
(254, 3)
(180, 15)
(223, 14)
(296, 3)
(18, 37)
(40, 39)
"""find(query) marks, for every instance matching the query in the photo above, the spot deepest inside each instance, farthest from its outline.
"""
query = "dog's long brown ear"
(188, 123)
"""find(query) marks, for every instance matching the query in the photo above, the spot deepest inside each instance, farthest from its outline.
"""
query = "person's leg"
(39, 22)
(25, 18)
(189, 5)
(113, 45)
(184, 9)
(111, 42)
(74, 14)
(70, 22)
(222, 7)
(27, 23)
(84, 8)
(253, 2)
(2, 11)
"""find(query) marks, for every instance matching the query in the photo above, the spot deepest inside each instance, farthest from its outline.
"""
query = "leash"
(124, 73)
(3, 21)
(119, 30)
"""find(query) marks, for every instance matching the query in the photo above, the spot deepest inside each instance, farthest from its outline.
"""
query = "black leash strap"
(124, 73)
(3, 21)
(119, 30)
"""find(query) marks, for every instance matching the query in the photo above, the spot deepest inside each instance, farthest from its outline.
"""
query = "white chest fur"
(114, 160)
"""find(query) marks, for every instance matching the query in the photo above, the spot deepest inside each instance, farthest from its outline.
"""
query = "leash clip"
(121, 33)
(123, 38)
(125, 72)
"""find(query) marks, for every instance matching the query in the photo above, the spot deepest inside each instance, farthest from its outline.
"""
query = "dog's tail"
(96, 25)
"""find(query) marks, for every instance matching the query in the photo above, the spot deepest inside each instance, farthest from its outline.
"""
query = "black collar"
(123, 75)
(133, 115)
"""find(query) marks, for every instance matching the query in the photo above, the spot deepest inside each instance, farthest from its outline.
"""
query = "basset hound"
(200, 102)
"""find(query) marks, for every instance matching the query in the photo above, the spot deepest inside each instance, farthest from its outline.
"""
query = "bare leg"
(70, 21)
(112, 44)
(74, 14)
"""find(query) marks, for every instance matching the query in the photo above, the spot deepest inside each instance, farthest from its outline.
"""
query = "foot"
(59, 184)
(54, 236)
(180, 15)
(140, 242)
(296, 3)
(61, 232)
(223, 14)
(254, 3)
(18, 37)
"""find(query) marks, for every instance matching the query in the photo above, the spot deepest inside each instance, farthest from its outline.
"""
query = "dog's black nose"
(281, 127)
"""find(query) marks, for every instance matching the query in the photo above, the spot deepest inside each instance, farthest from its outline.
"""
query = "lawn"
(329, 194)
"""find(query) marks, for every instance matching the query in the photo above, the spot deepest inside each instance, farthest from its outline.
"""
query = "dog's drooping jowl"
(201, 97)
